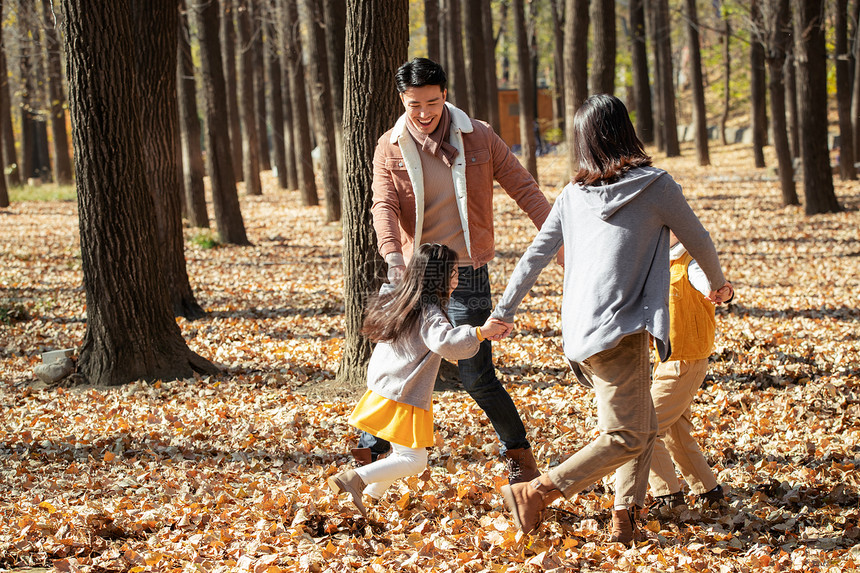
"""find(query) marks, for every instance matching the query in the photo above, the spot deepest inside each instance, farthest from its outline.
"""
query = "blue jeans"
(471, 304)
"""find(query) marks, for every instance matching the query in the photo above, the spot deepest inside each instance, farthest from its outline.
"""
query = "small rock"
(55, 371)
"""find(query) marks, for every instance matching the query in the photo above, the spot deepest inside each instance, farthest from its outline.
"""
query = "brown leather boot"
(522, 467)
(624, 528)
(362, 456)
(526, 501)
(351, 483)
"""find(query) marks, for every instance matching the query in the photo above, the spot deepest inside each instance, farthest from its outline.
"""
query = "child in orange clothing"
(676, 381)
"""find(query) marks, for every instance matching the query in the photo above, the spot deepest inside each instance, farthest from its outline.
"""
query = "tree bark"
(318, 78)
(791, 100)
(189, 128)
(131, 333)
(667, 87)
(257, 15)
(812, 107)
(219, 158)
(855, 99)
(526, 93)
(228, 59)
(8, 155)
(659, 132)
(4, 115)
(575, 69)
(335, 24)
(843, 94)
(758, 87)
(276, 80)
(299, 104)
(727, 75)
(557, 7)
(368, 113)
(776, 22)
(458, 89)
(641, 81)
(27, 94)
(477, 54)
(247, 100)
(279, 8)
(603, 64)
(492, 80)
(431, 24)
(57, 98)
(700, 118)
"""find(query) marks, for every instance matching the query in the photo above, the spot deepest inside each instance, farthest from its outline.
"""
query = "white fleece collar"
(459, 121)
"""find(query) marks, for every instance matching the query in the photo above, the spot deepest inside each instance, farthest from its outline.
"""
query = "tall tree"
(727, 72)
(247, 100)
(156, 57)
(790, 72)
(279, 18)
(219, 158)
(335, 24)
(4, 192)
(189, 127)
(131, 332)
(8, 155)
(28, 66)
(758, 86)
(490, 66)
(318, 78)
(458, 90)
(257, 14)
(659, 133)
(776, 21)
(526, 92)
(557, 9)
(368, 112)
(228, 58)
(667, 86)
(299, 105)
(855, 99)
(477, 55)
(811, 64)
(700, 118)
(603, 64)
(641, 81)
(843, 93)
(56, 98)
(276, 80)
(431, 24)
(575, 69)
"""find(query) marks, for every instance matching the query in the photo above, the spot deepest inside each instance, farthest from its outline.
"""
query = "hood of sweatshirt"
(605, 200)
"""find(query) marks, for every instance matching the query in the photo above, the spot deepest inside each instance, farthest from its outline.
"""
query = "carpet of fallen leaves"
(227, 473)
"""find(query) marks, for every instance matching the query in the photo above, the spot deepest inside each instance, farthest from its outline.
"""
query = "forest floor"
(227, 473)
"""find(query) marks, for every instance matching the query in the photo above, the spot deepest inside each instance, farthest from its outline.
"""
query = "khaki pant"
(673, 389)
(627, 422)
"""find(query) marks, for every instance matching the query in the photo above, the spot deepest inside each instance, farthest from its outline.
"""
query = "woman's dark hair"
(420, 72)
(427, 282)
(605, 142)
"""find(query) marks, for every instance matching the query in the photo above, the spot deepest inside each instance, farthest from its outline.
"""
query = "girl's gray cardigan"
(405, 370)
(616, 260)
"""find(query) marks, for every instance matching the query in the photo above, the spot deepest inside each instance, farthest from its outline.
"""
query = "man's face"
(424, 106)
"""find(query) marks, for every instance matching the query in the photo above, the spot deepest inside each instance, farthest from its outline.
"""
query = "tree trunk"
(219, 158)
(57, 99)
(189, 128)
(335, 24)
(279, 10)
(318, 77)
(8, 155)
(228, 58)
(131, 332)
(667, 87)
(791, 99)
(843, 94)
(526, 93)
(812, 107)
(758, 89)
(431, 24)
(458, 90)
(641, 81)
(776, 22)
(659, 133)
(4, 115)
(299, 105)
(27, 93)
(368, 113)
(490, 59)
(855, 100)
(557, 7)
(477, 54)
(276, 109)
(257, 16)
(700, 118)
(603, 64)
(727, 74)
(575, 69)
(247, 100)
(158, 27)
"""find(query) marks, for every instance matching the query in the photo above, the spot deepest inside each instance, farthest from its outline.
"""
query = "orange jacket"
(692, 324)
(398, 187)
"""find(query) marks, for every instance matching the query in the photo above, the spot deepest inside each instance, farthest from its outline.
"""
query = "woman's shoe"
(350, 482)
(624, 528)
(526, 501)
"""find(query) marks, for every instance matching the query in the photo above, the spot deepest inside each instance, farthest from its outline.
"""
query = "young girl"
(413, 334)
(614, 221)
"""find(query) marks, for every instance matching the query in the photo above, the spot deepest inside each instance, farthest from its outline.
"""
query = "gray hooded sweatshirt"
(616, 260)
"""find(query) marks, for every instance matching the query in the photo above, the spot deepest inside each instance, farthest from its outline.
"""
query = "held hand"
(395, 274)
(724, 294)
(495, 329)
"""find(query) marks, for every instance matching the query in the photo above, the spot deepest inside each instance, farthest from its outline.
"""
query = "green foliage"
(45, 192)
(205, 240)
(11, 312)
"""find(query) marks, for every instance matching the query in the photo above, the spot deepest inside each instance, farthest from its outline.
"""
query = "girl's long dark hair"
(427, 282)
(605, 142)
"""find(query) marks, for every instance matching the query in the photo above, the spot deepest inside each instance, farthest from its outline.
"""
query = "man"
(433, 178)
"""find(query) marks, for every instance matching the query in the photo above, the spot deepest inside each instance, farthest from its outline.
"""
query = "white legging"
(400, 463)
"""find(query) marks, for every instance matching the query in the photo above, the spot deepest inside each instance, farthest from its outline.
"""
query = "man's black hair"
(420, 72)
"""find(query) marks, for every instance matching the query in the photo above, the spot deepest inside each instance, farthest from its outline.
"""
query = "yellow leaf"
(403, 502)
(45, 505)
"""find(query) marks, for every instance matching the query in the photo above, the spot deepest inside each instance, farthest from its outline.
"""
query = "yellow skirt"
(393, 421)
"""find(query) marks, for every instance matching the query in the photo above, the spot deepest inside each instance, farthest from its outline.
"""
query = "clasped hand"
(495, 329)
